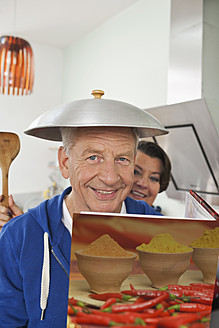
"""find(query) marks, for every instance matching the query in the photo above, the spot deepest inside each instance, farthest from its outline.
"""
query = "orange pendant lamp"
(16, 66)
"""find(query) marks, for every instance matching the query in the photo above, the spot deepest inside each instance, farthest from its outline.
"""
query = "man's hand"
(7, 213)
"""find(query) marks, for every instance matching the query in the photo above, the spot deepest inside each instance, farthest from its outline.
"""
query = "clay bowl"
(104, 273)
(206, 260)
(164, 268)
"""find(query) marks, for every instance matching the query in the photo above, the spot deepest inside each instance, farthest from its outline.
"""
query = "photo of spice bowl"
(205, 254)
(206, 260)
(105, 264)
(164, 260)
(164, 268)
(104, 273)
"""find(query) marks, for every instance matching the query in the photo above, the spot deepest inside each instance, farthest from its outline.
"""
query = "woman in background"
(152, 172)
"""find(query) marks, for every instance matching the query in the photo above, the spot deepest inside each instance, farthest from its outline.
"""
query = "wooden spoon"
(9, 148)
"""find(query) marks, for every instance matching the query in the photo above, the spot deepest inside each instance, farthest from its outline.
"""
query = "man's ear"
(63, 162)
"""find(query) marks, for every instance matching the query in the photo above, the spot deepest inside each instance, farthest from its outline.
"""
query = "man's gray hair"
(69, 137)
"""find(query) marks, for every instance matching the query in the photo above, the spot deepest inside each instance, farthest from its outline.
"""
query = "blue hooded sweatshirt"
(35, 263)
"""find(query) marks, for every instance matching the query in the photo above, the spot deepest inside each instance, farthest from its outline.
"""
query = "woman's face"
(147, 175)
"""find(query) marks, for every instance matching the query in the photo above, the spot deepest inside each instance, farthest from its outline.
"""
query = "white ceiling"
(56, 22)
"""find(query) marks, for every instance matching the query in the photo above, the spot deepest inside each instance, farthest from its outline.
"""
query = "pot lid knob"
(97, 93)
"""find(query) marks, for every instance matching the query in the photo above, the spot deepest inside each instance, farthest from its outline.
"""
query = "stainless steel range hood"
(192, 116)
(193, 147)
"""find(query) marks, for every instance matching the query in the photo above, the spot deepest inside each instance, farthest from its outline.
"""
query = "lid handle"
(97, 93)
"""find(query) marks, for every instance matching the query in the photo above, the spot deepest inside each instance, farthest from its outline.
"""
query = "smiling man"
(100, 166)
(35, 247)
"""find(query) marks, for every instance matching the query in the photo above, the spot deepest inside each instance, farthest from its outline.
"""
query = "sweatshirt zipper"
(59, 262)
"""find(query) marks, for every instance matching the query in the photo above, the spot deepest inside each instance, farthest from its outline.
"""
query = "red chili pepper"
(130, 316)
(73, 301)
(196, 293)
(146, 311)
(190, 307)
(191, 296)
(178, 287)
(183, 288)
(106, 296)
(197, 325)
(141, 306)
(203, 285)
(158, 313)
(156, 320)
(175, 293)
(135, 326)
(184, 292)
(171, 311)
(71, 310)
(180, 319)
(176, 301)
(109, 302)
(120, 318)
(153, 321)
(138, 314)
(206, 300)
(93, 319)
(147, 293)
(162, 305)
(139, 300)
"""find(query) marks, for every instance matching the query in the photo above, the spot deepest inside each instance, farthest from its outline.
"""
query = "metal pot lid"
(94, 112)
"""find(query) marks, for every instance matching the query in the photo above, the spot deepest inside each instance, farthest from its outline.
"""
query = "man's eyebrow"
(89, 150)
(125, 153)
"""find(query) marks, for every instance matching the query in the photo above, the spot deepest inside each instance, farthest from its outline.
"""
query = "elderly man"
(35, 247)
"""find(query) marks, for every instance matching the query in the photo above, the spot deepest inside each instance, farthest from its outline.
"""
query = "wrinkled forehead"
(117, 136)
(103, 132)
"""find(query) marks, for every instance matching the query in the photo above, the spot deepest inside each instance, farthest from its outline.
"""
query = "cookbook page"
(196, 207)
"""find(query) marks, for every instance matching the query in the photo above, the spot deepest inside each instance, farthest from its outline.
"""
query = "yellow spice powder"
(164, 243)
(105, 246)
(210, 238)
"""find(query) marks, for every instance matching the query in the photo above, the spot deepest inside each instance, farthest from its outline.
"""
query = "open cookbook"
(160, 252)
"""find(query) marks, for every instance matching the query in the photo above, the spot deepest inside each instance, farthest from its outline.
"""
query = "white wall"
(127, 57)
(29, 171)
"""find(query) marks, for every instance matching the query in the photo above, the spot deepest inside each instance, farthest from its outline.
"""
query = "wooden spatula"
(9, 148)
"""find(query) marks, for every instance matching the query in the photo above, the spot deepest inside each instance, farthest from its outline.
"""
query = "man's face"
(100, 167)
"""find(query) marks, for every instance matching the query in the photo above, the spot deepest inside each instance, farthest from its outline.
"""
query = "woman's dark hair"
(155, 151)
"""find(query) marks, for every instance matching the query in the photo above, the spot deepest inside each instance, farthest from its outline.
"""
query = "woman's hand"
(7, 213)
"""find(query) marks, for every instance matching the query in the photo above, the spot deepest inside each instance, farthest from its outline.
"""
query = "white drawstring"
(45, 279)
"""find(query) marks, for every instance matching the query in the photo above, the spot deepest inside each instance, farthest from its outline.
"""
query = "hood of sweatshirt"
(44, 215)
